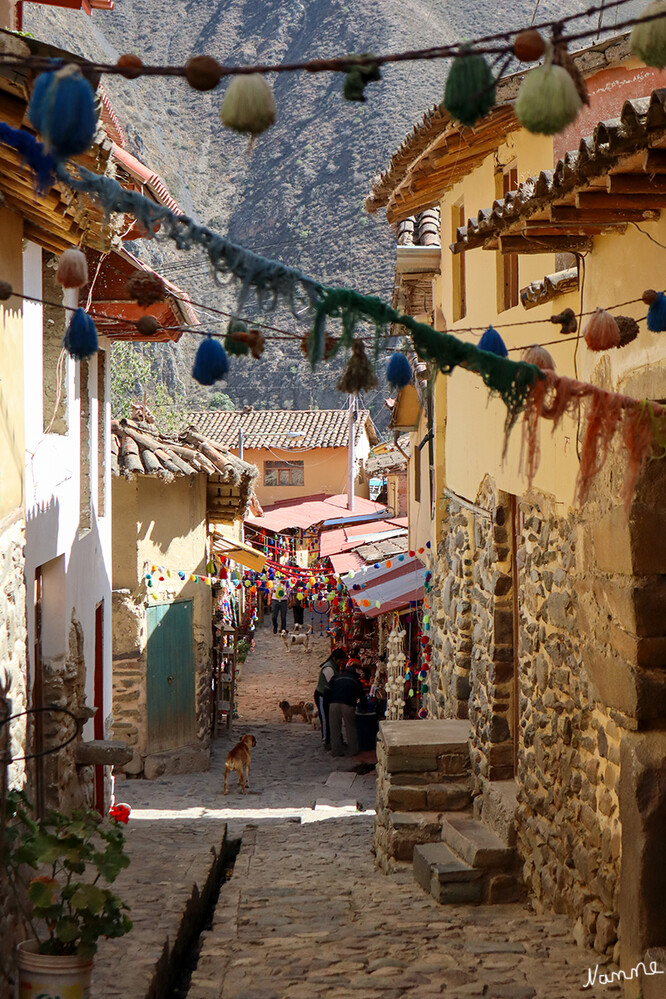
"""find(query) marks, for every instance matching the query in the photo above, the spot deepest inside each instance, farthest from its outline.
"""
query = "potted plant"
(63, 865)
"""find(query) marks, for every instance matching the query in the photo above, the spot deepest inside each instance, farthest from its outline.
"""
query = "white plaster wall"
(52, 492)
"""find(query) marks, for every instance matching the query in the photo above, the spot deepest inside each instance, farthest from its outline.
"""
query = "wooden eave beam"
(568, 213)
(636, 183)
(549, 244)
(619, 202)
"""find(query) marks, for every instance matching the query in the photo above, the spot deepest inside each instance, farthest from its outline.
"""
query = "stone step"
(496, 807)
(447, 878)
(431, 745)
(447, 797)
(477, 845)
(405, 830)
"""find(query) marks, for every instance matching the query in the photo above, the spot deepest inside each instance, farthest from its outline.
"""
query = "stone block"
(103, 752)
(452, 797)
(186, 760)
(643, 652)
(502, 889)
(475, 844)
(638, 694)
(406, 798)
(643, 870)
(457, 892)
(503, 626)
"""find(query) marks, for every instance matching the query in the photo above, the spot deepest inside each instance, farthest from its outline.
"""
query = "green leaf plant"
(64, 864)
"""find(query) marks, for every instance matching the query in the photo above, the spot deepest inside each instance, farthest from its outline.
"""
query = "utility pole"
(350, 452)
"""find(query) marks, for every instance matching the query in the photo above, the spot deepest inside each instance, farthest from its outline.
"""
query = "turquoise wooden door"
(170, 684)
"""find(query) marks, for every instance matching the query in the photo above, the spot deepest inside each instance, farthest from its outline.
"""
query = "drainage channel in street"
(181, 963)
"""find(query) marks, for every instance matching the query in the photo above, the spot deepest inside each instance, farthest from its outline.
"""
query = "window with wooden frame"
(284, 473)
(506, 179)
(459, 291)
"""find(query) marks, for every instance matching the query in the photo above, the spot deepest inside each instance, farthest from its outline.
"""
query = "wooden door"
(170, 681)
(98, 721)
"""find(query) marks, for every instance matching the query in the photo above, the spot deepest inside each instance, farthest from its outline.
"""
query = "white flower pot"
(52, 976)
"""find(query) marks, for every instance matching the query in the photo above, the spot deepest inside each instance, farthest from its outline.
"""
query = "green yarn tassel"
(357, 78)
(470, 89)
(547, 100)
(648, 39)
(236, 347)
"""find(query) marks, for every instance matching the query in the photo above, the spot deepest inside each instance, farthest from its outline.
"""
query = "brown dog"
(294, 710)
(238, 759)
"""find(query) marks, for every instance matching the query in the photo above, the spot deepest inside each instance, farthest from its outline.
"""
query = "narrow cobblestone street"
(305, 912)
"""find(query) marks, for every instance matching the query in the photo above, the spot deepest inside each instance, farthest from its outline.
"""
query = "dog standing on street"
(239, 759)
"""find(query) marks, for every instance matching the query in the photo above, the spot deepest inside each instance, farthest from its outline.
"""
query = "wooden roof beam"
(566, 213)
(619, 202)
(636, 183)
(548, 244)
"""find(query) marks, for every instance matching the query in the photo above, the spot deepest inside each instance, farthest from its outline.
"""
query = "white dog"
(302, 638)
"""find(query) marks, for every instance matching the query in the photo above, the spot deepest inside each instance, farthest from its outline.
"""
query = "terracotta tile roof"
(444, 151)
(633, 145)
(139, 449)
(549, 287)
(291, 429)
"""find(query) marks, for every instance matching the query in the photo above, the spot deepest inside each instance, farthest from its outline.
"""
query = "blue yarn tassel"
(32, 153)
(656, 317)
(398, 371)
(62, 109)
(493, 343)
(81, 337)
(211, 363)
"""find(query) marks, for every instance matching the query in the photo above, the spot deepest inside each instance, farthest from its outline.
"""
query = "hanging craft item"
(648, 38)
(254, 340)
(656, 317)
(32, 153)
(330, 346)
(539, 356)
(602, 332)
(235, 341)
(395, 683)
(202, 72)
(211, 363)
(628, 328)
(358, 77)
(398, 371)
(528, 46)
(359, 375)
(249, 105)
(80, 339)
(147, 325)
(562, 58)
(493, 343)
(470, 88)
(547, 100)
(130, 65)
(146, 288)
(62, 109)
(6, 291)
(566, 320)
(72, 269)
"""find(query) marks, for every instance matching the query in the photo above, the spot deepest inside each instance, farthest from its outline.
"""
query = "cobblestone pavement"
(305, 913)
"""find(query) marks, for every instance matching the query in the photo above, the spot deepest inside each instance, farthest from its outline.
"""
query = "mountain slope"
(297, 194)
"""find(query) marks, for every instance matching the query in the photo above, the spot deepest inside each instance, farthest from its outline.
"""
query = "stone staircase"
(424, 815)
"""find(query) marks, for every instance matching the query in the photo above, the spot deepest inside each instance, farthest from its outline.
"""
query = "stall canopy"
(392, 588)
(238, 551)
(303, 513)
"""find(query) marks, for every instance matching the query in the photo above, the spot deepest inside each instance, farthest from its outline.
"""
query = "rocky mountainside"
(297, 193)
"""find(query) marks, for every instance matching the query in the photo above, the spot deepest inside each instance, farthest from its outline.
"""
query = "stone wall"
(13, 685)
(569, 831)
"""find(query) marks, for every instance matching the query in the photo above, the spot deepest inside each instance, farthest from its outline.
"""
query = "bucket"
(52, 976)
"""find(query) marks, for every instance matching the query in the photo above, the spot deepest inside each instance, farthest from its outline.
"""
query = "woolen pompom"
(359, 375)
(249, 105)
(547, 100)
(470, 89)
(656, 316)
(62, 109)
(254, 340)
(648, 38)
(539, 356)
(211, 363)
(235, 341)
(628, 328)
(146, 288)
(493, 343)
(602, 332)
(398, 370)
(72, 269)
(80, 339)
(357, 78)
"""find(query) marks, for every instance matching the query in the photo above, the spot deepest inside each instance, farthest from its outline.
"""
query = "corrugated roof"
(139, 449)
(289, 429)
(633, 144)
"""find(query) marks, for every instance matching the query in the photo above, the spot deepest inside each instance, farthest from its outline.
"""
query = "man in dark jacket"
(335, 661)
(344, 693)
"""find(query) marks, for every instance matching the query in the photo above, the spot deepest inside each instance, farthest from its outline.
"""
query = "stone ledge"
(103, 753)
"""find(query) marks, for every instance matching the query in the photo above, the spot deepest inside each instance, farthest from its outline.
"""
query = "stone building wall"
(568, 825)
(13, 685)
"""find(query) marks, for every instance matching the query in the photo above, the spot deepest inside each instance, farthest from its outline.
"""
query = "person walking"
(297, 605)
(280, 605)
(327, 670)
(345, 692)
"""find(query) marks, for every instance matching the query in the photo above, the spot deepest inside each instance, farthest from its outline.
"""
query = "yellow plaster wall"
(325, 471)
(12, 437)
(420, 519)
(475, 423)
(124, 533)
